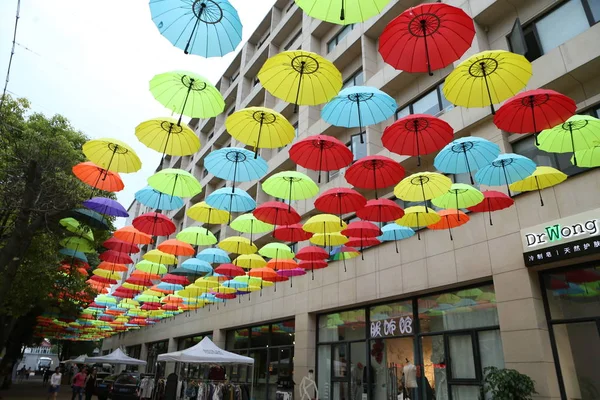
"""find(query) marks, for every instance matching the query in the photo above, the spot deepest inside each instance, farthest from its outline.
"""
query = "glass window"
(357, 148)
(432, 103)
(561, 161)
(237, 339)
(357, 79)
(434, 360)
(187, 342)
(346, 325)
(338, 37)
(293, 39)
(573, 293)
(283, 333)
(490, 349)
(259, 336)
(323, 381)
(391, 319)
(462, 361)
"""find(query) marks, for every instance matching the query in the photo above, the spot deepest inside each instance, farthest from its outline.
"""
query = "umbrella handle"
(537, 183)
(416, 123)
(342, 16)
(320, 162)
(359, 119)
(187, 95)
(187, 46)
(424, 199)
(262, 117)
(162, 159)
(468, 165)
(490, 211)
(113, 156)
(396, 242)
(418, 230)
(506, 179)
(573, 144)
(290, 198)
(302, 63)
(531, 99)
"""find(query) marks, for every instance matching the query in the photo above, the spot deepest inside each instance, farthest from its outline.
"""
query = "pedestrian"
(46, 378)
(22, 373)
(27, 373)
(78, 385)
(55, 380)
(90, 384)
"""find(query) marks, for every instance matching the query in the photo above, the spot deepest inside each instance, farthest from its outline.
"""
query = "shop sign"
(392, 327)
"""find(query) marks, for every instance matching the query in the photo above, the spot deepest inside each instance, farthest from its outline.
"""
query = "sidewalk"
(32, 389)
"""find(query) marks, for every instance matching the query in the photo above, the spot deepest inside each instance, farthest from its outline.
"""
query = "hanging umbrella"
(290, 185)
(361, 229)
(112, 155)
(197, 236)
(213, 256)
(91, 218)
(395, 232)
(175, 182)
(106, 206)
(466, 154)
(541, 178)
(208, 28)
(340, 201)
(342, 13)
(362, 242)
(248, 223)
(374, 172)
(418, 217)
(291, 273)
(160, 257)
(176, 247)
(422, 186)
(533, 111)
(323, 224)
(359, 106)
(154, 224)
(112, 267)
(417, 134)
(276, 213)
(237, 245)
(450, 219)
(236, 165)
(231, 200)
(170, 278)
(248, 261)
(73, 226)
(300, 77)
(580, 132)
(312, 253)
(506, 169)
(131, 235)
(459, 196)
(78, 244)
(427, 37)
(187, 93)
(158, 200)
(120, 246)
(588, 158)
(492, 201)
(97, 177)
(196, 267)
(487, 78)
(261, 128)
(380, 210)
(321, 153)
(206, 214)
(169, 287)
(115, 257)
(328, 239)
(276, 251)
(282, 264)
(166, 136)
(344, 253)
(149, 275)
(291, 233)
(230, 270)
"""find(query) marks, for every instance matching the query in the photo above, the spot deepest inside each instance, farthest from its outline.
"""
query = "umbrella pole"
(573, 144)
(506, 179)
(162, 159)
(424, 199)
(359, 120)
(418, 230)
(375, 182)
(417, 142)
(187, 46)
(208, 222)
(449, 229)
(340, 205)
(230, 204)
(531, 98)
(197, 246)
(110, 162)
(262, 117)
(302, 63)
(457, 211)
(468, 166)
(320, 163)
(174, 185)
(396, 242)
(362, 255)
(487, 86)
(187, 95)
(344, 259)
(537, 183)
(234, 176)
(290, 198)
(342, 16)
(424, 29)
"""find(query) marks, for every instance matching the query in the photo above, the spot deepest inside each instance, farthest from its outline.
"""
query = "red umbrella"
(150, 306)
(100, 279)
(154, 224)
(139, 280)
(312, 265)
(125, 293)
(380, 210)
(97, 177)
(176, 279)
(340, 201)
(374, 172)
(427, 37)
(492, 201)
(120, 246)
(312, 253)
(361, 229)
(582, 276)
(417, 134)
(176, 247)
(230, 270)
(115, 257)
(533, 111)
(276, 213)
(556, 284)
(170, 307)
(321, 153)
(291, 233)
(225, 296)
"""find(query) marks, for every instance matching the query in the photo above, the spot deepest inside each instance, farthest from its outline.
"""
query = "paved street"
(32, 389)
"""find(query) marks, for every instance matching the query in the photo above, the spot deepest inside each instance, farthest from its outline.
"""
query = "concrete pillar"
(172, 346)
(304, 347)
(219, 336)
(143, 356)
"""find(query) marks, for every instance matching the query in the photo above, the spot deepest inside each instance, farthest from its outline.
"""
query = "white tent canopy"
(82, 359)
(116, 357)
(206, 352)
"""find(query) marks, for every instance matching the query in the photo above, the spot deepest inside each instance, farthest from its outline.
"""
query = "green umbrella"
(175, 182)
(580, 132)
(197, 236)
(459, 196)
(588, 158)
(342, 12)
(248, 223)
(486, 296)
(448, 298)
(290, 185)
(476, 292)
(74, 226)
(151, 267)
(78, 244)
(277, 251)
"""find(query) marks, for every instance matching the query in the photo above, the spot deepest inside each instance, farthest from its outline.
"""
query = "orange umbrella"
(112, 267)
(176, 247)
(132, 235)
(450, 219)
(97, 177)
(279, 265)
(145, 275)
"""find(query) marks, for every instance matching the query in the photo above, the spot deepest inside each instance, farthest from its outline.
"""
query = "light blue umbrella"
(211, 298)
(154, 199)
(506, 169)
(171, 287)
(74, 254)
(395, 232)
(235, 164)
(196, 266)
(572, 289)
(231, 200)
(235, 285)
(213, 256)
(358, 106)
(466, 154)
(208, 28)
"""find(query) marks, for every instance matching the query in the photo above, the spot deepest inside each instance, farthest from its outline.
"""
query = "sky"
(91, 62)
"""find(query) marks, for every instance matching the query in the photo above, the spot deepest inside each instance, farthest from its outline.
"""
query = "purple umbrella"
(106, 206)
(290, 273)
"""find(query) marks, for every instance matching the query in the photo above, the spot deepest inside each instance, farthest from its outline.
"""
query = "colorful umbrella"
(422, 186)
(231, 200)
(342, 13)
(312, 265)
(176, 247)
(106, 206)
(160, 257)
(417, 134)
(588, 158)
(312, 253)
(395, 232)
(187, 93)
(197, 267)
(533, 111)
(120, 246)
(541, 178)
(112, 267)
(230, 270)
(248, 223)
(328, 239)
(276, 213)
(506, 169)
(73, 226)
(380, 210)
(213, 256)
(300, 77)
(112, 155)
(340, 201)
(166, 136)
(237, 245)
(276, 251)
(78, 244)
(132, 235)
(249, 261)
(175, 182)
(321, 153)
(206, 214)
(158, 200)
(154, 224)
(487, 78)
(89, 217)
(450, 219)
(170, 278)
(208, 28)
(374, 172)
(282, 265)
(291, 233)
(115, 257)
(459, 196)
(427, 37)
(580, 132)
(418, 217)
(466, 154)
(261, 128)
(492, 201)
(361, 229)
(344, 253)
(290, 185)
(359, 106)
(362, 242)
(197, 236)
(290, 273)
(236, 165)
(97, 177)
(324, 223)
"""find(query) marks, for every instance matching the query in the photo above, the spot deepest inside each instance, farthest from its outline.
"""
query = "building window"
(540, 36)
(217, 234)
(204, 173)
(256, 81)
(210, 135)
(135, 352)
(358, 149)
(234, 76)
(432, 103)
(289, 7)
(154, 350)
(561, 161)
(357, 79)
(264, 39)
(295, 125)
(293, 40)
(231, 110)
(332, 44)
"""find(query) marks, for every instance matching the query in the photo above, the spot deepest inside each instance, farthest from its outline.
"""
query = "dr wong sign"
(574, 236)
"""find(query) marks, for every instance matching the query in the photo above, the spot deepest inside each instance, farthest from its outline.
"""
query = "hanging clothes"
(146, 387)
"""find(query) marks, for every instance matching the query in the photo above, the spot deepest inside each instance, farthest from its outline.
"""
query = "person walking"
(90, 384)
(47, 374)
(78, 385)
(27, 373)
(55, 380)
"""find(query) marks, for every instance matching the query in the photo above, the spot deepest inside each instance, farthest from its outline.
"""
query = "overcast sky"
(91, 62)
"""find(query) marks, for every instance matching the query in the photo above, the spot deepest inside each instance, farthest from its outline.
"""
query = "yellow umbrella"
(133, 286)
(301, 77)
(261, 128)
(542, 178)
(166, 136)
(160, 257)
(249, 261)
(204, 213)
(328, 239)
(204, 284)
(150, 292)
(417, 217)
(423, 186)
(237, 245)
(112, 155)
(106, 274)
(487, 78)
(324, 223)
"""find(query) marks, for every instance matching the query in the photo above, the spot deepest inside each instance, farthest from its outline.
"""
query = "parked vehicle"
(125, 386)
(104, 385)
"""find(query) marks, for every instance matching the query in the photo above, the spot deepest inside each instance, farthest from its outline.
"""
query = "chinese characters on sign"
(392, 327)
(565, 251)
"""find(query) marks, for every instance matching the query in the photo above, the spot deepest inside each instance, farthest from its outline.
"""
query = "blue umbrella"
(231, 200)
(106, 206)
(74, 254)
(196, 266)
(89, 217)
(154, 199)
(171, 287)
(395, 232)
(359, 106)
(572, 289)
(466, 155)
(213, 256)
(208, 28)
(506, 169)
(235, 164)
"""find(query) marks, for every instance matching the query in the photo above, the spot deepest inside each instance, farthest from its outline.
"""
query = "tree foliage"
(508, 384)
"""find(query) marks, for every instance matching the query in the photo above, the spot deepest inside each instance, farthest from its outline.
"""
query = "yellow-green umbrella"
(253, 281)
(588, 158)
(206, 214)
(487, 78)
(261, 128)
(542, 178)
(290, 185)
(74, 226)
(328, 239)
(78, 244)
(417, 217)
(150, 292)
(248, 223)
(422, 186)
(277, 251)
(237, 245)
(324, 223)
(249, 261)
(151, 267)
(175, 182)
(112, 155)
(197, 236)
(106, 274)
(580, 132)
(342, 12)
(460, 195)
(204, 285)
(301, 77)
(166, 136)
(160, 257)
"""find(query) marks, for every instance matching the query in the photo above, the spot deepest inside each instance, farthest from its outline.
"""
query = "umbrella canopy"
(342, 13)
(230, 270)
(276, 251)
(417, 134)
(237, 245)
(120, 246)
(321, 153)
(106, 206)
(340, 201)
(395, 232)
(208, 28)
(235, 164)
(213, 256)
(115, 257)
(265, 273)
(359, 106)
(506, 169)
(588, 158)
(132, 235)
(112, 267)
(492, 201)
(97, 177)
(248, 223)
(374, 172)
(176, 247)
(459, 196)
(261, 128)
(418, 217)
(291, 233)
(175, 182)
(427, 37)
(328, 239)
(74, 254)
(380, 210)
(166, 136)
(344, 253)
(160, 257)
(231, 200)
(466, 154)
(204, 213)
(92, 218)
(487, 78)
(78, 244)
(154, 224)
(197, 236)
(276, 213)
(290, 185)
(73, 226)
(311, 253)
(422, 186)
(300, 77)
(324, 223)
(361, 229)
(580, 132)
(280, 265)
(170, 278)
(188, 94)
(249, 261)
(158, 200)
(362, 242)
(197, 266)
(541, 178)
(450, 219)
(112, 155)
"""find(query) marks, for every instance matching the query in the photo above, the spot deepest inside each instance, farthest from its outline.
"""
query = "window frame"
(440, 97)
(352, 78)
(293, 39)
(335, 40)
